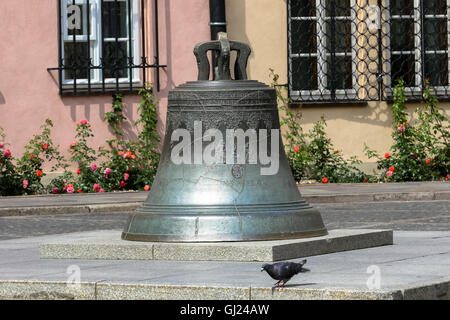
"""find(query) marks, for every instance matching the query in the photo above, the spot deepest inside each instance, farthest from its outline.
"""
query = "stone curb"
(57, 290)
(312, 199)
(435, 290)
(378, 197)
(91, 208)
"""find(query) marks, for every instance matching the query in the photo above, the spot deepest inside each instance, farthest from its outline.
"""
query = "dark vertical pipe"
(60, 45)
(218, 24)
(217, 17)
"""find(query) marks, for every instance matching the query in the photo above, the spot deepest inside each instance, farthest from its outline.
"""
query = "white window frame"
(417, 89)
(321, 54)
(96, 42)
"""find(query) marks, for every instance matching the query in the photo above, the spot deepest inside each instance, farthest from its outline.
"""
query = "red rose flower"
(45, 146)
(392, 168)
(7, 153)
(128, 154)
(297, 149)
(428, 160)
(78, 171)
(84, 122)
(387, 155)
(325, 180)
(147, 188)
(39, 173)
(123, 184)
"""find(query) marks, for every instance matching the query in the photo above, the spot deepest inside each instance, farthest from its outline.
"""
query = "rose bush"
(122, 165)
(312, 154)
(420, 149)
(22, 176)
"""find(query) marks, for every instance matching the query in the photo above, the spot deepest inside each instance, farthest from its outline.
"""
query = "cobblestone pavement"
(409, 216)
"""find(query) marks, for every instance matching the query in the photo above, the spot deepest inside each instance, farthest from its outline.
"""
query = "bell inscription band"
(223, 173)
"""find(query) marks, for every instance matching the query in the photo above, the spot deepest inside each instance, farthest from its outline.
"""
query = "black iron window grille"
(102, 46)
(355, 50)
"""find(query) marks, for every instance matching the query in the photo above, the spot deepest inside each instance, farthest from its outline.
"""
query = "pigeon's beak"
(262, 269)
(305, 270)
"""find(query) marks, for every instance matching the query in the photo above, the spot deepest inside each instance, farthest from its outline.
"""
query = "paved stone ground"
(400, 215)
(411, 216)
(417, 259)
(418, 262)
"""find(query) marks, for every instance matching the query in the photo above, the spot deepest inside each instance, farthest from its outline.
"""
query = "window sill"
(327, 104)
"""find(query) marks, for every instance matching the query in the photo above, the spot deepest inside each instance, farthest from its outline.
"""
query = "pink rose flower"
(123, 184)
(96, 187)
(107, 171)
(7, 153)
(55, 190)
(25, 184)
(126, 176)
(2, 145)
(70, 190)
(84, 122)
(93, 167)
(389, 173)
(401, 129)
(101, 190)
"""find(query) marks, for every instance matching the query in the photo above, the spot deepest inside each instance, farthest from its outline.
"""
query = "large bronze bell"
(239, 195)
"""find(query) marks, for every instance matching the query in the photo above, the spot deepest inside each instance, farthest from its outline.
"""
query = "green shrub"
(420, 149)
(124, 164)
(312, 155)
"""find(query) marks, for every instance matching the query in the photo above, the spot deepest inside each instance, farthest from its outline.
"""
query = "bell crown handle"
(223, 48)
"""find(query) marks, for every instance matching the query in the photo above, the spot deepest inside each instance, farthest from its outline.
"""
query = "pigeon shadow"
(293, 286)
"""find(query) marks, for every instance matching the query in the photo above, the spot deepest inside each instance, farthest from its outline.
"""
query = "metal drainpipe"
(217, 16)
(218, 24)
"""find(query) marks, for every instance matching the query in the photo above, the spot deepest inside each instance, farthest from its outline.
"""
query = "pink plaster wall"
(29, 94)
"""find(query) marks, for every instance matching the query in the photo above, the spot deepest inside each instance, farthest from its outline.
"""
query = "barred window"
(355, 50)
(419, 44)
(102, 46)
(322, 49)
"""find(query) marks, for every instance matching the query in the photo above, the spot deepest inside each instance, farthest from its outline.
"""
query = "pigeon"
(283, 271)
